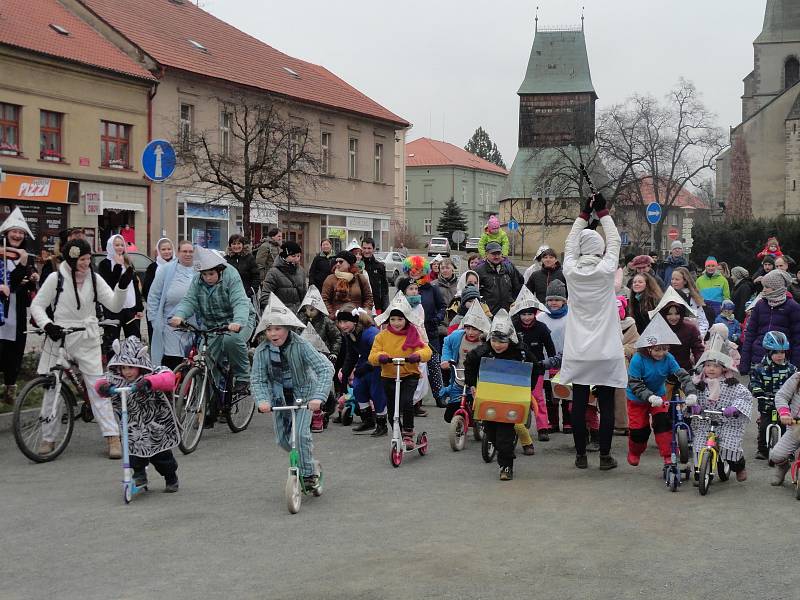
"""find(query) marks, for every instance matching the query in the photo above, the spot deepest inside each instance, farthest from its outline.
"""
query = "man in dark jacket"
(500, 284)
(673, 261)
(322, 264)
(550, 271)
(742, 291)
(286, 278)
(268, 250)
(376, 271)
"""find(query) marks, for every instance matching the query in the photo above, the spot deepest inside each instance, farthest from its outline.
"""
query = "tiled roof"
(27, 24)
(558, 64)
(164, 28)
(426, 152)
(685, 198)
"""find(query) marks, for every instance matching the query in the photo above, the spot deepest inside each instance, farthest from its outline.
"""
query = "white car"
(393, 262)
(439, 245)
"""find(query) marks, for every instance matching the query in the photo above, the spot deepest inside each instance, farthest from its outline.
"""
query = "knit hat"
(493, 224)
(622, 306)
(640, 262)
(672, 296)
(314, 299)
(276, 313)
(728, 305)
(556, 290)
(16, 221)
(402, 284)
(348, 257)
(769, 258)
(205, 259)
(676, 244)
(657, 333)
(288, 248)
(739, 273)
(526, 302)
(130, 353)
(470, 292)
(711, 262)
(502, 328)
(776, 280)
(476, 318)
(493, 247)
(73, 250)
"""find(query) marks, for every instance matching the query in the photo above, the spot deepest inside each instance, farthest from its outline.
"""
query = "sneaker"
(337, 417)
(408, 440)
(607, 462)
(741, 475)
(506, 473)
(140, 479)
(762, 454)
(317, 422)
(171, 488)
(528, 450)
(581, 462)
(310, 482)
(419, 411)
(633, 459)
(544, 436)
(780, 473)
(45, 447)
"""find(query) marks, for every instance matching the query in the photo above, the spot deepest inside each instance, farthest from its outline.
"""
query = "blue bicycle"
(681, 447)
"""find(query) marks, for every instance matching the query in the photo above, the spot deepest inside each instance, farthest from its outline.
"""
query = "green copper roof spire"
(558, 63)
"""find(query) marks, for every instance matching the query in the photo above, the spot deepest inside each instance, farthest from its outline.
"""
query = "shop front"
(109, 209)
(204, 224)
(344, 227)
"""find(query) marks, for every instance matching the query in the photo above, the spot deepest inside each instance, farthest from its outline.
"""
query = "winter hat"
(672, 296)
(776, 280)
(73, 250)
(462, 281)
(312, 337)
(493, 224)
(353, 245)
(502, 329)
(591, 243)
(130, 353)
(739, 273)
(711, 262)
(728, 305)
(289, 248)
(640, 262)
(314, 299)
(438, 258)
(470, 292)
(676, 244)
(16, 221)
(540, 251)
(657, 333)
(556, 290)
(493, 247)
(622, 306)
(476, 318)
(526, 302)
(548, 252)
(718, 350)
(276, 313)
(402, 284)
(160, 261)
(769, 258)
(347, 256)
(205, 259)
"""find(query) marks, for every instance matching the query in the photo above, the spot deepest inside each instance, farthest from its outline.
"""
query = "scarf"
(160, 261)
(413, 341)
(775, 297)
(342, 290)
(557, 314)
(415, 300)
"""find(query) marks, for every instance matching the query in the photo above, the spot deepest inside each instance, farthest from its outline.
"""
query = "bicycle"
(774, 431)
(680, 447)
(709, 454)
(201, 378)
(30, 414)
(295, 484)
(462, 418)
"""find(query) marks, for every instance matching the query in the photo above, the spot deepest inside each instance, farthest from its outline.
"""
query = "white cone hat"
(718, 349)
(276, 313)
(16, 220)
(353, 245)
(475, 317)
(312, 337)
(205, 259)
(657, 333)
(314, 299)
(671, 296)
(502, 324)
(399, 302)
(526, 300)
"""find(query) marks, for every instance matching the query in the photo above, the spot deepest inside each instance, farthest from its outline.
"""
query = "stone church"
(767, 141)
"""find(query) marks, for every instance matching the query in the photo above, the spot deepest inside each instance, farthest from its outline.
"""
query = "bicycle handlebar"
(298, 405)
(186, 326)
(66, 330)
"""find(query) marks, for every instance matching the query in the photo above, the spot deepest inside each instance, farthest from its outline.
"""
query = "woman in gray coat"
(286, 279)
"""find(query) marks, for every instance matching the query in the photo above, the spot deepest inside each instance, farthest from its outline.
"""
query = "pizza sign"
(35, 188)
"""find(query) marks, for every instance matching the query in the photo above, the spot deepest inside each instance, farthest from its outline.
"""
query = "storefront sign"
(39, 189)
(206, 211)
(337, 233)
(93, 203)
(359, 223)
(259, 213)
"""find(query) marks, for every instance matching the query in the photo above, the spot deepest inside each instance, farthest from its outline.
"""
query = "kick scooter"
(129, 487)
(295, 483)
(397, 446)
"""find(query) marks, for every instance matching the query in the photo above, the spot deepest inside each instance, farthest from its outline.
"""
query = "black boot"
(367, 421)
(381, 428)
(594, 441)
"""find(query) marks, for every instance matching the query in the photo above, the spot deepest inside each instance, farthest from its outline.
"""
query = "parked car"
(393, 262)
(472, 244)
(439, 245)
(140, 262)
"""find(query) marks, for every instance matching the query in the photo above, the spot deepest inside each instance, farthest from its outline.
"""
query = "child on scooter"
(766, 379)
(152, 428)
(401, 339)
(647, 390)
(287, 368)
(787, 401)
(719, 389)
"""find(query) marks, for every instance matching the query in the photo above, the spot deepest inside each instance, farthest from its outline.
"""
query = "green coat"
(218, 305)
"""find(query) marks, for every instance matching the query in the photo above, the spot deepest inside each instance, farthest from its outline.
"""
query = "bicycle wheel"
(477, 430)
(683, 445)
(705, 473)
(723, 469)
(190, 409)
(487, 449)
(457, 435)
(239, 412)
(773, 437)
(29, 419)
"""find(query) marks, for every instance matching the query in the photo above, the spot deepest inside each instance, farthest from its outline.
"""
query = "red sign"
(673, 233)
(83, 161)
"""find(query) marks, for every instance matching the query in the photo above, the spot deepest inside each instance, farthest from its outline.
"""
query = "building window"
(352, 158)
(9, 128)
(428, 227)
(480, 195)
(379, 162)
(294, 144)
(326, 154)
(528, 204)
(791, 72)
(674, 219)
(187, 124)
(225, 133)
(115, 145)
(794, 185)
(406, 193)
(463, 193)
(50, 135)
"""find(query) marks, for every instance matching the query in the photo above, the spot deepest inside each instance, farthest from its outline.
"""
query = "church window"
(794, 185)
(791, 72)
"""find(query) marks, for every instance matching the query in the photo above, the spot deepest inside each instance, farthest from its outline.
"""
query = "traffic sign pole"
(158, 164)
(163, 229)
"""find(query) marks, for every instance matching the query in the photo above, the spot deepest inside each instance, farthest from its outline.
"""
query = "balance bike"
(462, 418)
(773, 432)
(295, 484)
(794, 470)
(680, 448)
(129, 487)
(397, 447)
(709, 454)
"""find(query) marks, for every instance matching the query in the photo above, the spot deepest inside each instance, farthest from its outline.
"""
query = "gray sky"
(452, 65)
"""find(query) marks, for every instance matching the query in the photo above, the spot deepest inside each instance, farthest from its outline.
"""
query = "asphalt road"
(440, 526)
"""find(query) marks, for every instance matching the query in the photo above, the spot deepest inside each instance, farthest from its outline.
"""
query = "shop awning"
(109, 205)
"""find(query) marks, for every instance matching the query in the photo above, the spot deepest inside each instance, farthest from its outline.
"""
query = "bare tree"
(257, 156)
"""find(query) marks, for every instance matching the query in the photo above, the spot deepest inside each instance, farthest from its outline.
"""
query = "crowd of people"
(626, 336)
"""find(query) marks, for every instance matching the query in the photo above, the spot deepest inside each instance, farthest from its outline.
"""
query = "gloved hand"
(655, 401)
(333, 358)
(587, 206)
(413, 358)
(696, 410)
(125, 279)
(54, 332)
(731, 412)
(384, 359)
(104, 389)
(599, 203)
(144, 385)
(691, 400)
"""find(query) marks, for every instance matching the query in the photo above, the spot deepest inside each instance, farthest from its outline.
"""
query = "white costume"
(593, 353)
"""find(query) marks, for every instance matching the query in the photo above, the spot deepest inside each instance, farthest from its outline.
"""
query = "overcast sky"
(448, 66)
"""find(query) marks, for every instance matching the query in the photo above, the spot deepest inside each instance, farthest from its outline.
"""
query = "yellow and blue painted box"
(503, 393)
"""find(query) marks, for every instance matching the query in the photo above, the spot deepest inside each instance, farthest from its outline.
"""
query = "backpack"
(51, 310)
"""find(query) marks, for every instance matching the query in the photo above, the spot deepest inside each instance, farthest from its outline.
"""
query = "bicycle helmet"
(775, 341)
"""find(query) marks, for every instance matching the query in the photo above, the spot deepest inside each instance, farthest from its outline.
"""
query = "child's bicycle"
(71, 399)
(295, 484)
(129, 487)
(396, 445)
(709, 456)
(200, 381)
(462, 418)
(773, 432)
(681, 448)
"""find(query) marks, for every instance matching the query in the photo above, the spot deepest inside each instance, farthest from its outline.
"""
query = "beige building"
(73, 118)
(203, 64)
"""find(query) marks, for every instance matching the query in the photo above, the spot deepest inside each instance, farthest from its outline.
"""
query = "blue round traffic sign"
(158, 160)
(513, 225)
(653, 213)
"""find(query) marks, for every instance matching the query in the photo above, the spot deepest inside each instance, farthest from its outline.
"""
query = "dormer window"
(198, 45)
(292, 72)
(59, 29)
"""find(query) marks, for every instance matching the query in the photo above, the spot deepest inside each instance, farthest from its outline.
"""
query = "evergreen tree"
(481, 145)
(452, 219)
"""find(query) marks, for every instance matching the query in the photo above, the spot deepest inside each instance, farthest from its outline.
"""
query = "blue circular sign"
(158, 160)
(513, 225)
(653, 213)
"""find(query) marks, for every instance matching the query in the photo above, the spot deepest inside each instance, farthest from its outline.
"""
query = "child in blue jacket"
(726, 318)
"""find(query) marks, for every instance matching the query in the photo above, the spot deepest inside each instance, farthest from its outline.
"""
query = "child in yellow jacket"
(493, 233)
(401, 339)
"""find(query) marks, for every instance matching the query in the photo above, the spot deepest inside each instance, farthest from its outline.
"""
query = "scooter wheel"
(487, 449)
(797, 489)
(673, 479)
(774, 436)
(396, 456)
(723, 469)
(422, 443)
(126, 493)
(457, 433)
(317, 491)
(293, 495)
(477, 430)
